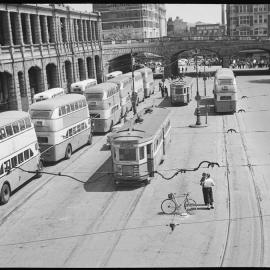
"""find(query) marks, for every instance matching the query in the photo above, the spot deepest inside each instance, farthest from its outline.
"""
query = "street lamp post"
(134, 94)
(198, 97)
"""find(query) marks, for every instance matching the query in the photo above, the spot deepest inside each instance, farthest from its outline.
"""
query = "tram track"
(228, 228)
(257, 195)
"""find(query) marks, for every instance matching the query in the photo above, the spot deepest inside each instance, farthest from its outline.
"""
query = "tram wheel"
(5, 194)
(68, 152)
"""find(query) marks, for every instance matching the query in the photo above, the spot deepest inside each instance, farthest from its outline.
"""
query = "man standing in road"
(204, 175)
(208, 184)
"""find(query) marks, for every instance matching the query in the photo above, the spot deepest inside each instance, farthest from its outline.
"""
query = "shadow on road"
(102, 180)
(260, 81)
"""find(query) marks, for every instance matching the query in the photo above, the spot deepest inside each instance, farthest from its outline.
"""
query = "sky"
(191, 13)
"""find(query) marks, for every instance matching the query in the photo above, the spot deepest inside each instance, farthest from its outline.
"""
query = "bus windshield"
(94, 96)
(225, 82)
(40, 114)
(128, 154)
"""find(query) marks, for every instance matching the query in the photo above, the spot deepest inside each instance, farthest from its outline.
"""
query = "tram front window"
(225, 82)
(178, 91)
(127, 154)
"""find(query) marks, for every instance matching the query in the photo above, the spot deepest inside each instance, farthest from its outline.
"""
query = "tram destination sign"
(130, 144)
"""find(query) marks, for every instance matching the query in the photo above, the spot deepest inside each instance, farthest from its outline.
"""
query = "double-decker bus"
(137, 149)
(50, 93)
(113, 74)
(104, 106)
(138, 84)
(225, 91)
(125, 89)
(148, 81)
(62, 125)
(81, 86)
(181, 91)
(19, 152)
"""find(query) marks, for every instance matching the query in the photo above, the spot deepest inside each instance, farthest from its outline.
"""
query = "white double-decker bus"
(148, 81)
(104, 106)
(81, 86)
(125, 89)
(138, 84)
(62, 125)
(50, 93)
(19, 153)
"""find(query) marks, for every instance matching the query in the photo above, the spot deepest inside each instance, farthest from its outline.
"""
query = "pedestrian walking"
(160, 85)
(204, 175)
(166, 91)
(162, 91)
(208, 184)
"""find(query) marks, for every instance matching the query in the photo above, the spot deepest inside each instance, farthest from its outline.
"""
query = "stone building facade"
(43, 46)
(248, 20)
(132, 21)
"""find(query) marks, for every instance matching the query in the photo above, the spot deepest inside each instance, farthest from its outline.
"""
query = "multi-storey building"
(177, 27)
(44, 46)
(248, 19)
(132, 21)
(214, 30)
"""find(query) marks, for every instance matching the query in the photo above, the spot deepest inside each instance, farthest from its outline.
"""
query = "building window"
(244, 20)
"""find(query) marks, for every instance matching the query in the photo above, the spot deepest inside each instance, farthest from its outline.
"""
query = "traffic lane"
(146, 231)
(55, 199)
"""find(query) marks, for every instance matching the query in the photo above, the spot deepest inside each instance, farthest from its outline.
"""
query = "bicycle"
(170, 205)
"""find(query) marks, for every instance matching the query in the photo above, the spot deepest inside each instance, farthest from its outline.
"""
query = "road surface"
(82, 220)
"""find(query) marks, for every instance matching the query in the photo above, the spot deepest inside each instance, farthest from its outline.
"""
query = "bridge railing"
(185, 38)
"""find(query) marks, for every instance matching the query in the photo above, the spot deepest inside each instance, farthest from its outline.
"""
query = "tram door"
(150, 159)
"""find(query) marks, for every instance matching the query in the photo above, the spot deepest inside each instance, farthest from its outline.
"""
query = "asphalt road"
(82, 220)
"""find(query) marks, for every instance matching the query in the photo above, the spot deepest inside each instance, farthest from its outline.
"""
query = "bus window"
(22, 125)
(27, 122)
(70, 132)
(14, 162)
(2, 134)
(141, 150)
(16, 127)
(68, 108)
(31, 152)
(42, 139)
(1, 170)
(63, 110)
(76, 106)
(72, 107)
(7, 166)
(26, 154)
(127, 154)
(9, 130)
(20, 158)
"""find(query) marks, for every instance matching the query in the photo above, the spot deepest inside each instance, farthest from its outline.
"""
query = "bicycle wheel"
(190, 206)
(168, 206)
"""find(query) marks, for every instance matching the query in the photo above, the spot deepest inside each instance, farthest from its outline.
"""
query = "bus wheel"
(90, 138)
(68, 152)
(111, 127)
(5, 194)
(147, 181)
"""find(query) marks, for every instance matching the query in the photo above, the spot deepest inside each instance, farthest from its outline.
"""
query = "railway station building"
(43, 46)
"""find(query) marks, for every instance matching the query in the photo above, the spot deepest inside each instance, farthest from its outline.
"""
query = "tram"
(181, 91)
(137, 149)
(225, 91)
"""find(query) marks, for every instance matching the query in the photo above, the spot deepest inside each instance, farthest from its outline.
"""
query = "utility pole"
(134, 94)
(197, 97)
